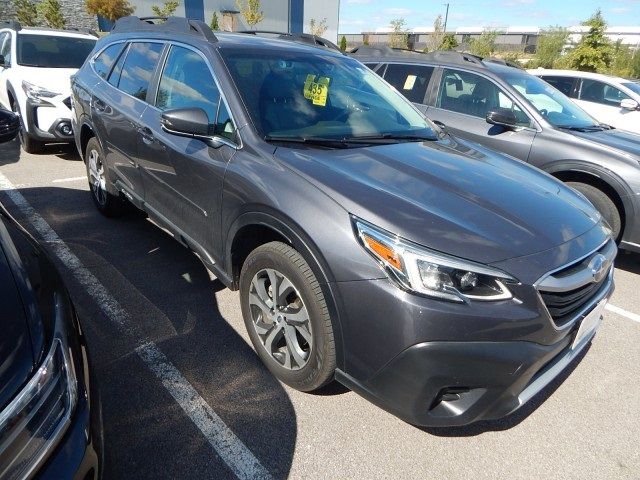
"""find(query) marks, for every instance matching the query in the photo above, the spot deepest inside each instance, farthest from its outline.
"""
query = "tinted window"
(410, 80)
(114, 78)
(475, 95)
(187, 82)
(633, 86)
(103, 62)
(51, 51)
(564, 84)
(138, 68)
(599, 92)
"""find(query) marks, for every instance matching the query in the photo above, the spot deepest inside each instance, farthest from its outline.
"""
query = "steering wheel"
(544, 112)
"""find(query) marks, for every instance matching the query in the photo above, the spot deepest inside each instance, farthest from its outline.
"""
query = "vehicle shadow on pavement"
(64, 151)
(628, 261)
(170, 297)
(515, 418)
(10, 152)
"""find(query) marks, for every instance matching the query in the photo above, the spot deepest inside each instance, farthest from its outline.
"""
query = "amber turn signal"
(383, 251)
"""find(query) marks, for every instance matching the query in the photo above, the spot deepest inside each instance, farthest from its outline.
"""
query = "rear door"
(602, 101)
(410, 80)
(462, 103)
(567, 85)
(183, 177)
(116, 110)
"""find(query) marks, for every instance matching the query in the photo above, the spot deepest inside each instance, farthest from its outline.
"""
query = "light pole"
(446, 17)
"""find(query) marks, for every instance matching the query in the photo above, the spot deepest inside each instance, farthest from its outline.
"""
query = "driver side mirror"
(502, 117)
(191, 123)
(629, 104)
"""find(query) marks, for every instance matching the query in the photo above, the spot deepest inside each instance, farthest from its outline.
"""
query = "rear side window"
(564, 84)
(5, 47)
(138, 68)
(600, 92)
(186, 82)
(410, 80)
(103, 62)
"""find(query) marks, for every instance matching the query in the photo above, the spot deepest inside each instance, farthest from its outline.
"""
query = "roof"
(67, 32)
(576, 73)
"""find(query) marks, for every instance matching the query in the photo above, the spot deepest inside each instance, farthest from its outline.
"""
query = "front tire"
(108, 204)
(604, 204)
(29, 145)
(286, 315)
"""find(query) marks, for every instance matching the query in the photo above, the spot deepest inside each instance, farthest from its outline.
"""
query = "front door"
(602, 101)
(183, 177)
(5, 51)
(462, 104)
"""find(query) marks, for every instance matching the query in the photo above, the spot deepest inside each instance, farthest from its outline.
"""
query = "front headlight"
(433, 273)
(33, 423)
(37, 93)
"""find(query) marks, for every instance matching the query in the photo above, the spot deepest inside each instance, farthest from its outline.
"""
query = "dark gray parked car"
(445, 282)
(508, 110)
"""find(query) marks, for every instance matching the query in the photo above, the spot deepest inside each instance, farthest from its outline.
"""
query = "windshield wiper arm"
(391, 136)
(319, 141)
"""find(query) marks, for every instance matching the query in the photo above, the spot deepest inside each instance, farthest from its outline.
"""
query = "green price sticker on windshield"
(316, 90)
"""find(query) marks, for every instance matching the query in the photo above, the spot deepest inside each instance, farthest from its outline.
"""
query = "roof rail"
(296, 37)
(12, 24)
(381, 51)
(453, 57)
(169, 24)
(501, 61)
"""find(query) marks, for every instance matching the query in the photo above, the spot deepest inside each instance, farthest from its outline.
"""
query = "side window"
(138, 68)
(187, 82)
(564, 84)
(5, 47)
(474, 95)
(410, 80)
(600, 92)
(103, 62)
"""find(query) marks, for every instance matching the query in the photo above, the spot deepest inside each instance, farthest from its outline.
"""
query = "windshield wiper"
(586, 128)
(319, 141)
(390, 137)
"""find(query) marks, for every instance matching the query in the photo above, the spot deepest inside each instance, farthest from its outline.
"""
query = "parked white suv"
(35, 69)
(611, 100)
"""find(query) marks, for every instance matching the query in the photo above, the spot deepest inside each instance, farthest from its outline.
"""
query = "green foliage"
(168, 9)
(365, 40)
(250, 10)
(550, 46)
(449, 42)
(109, 9)
(26, 12)
(50, 14)
(214, 22)
(622, 61)
(317, 28)
(435, 39)
(399, 37)
(484, 45)
(594, 52)
(513, 57)
(343, 44)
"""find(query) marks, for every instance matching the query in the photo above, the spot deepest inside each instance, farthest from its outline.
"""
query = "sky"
(370, 15)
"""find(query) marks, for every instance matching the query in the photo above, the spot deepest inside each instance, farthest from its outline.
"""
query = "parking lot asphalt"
(184, 395)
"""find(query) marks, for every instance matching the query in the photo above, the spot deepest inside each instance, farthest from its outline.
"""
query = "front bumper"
(48, 122)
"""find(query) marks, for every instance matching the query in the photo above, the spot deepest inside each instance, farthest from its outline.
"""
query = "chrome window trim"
(97, 54)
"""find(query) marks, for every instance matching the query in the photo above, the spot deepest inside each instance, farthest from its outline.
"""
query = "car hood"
(626, 142)
(16, 352)
(468, 202)
(56, 80)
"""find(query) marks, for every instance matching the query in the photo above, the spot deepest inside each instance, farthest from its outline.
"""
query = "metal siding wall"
(318, 10)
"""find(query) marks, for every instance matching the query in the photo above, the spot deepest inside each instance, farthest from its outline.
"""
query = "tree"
(594, 52)
(109, 9)
(449, 42)
(343, 43)
(214, 22)
(622, 62)
(26, 13)
(435, 39)
(168, 9)
(317, 28)
(484, 45)
(399, 37)
(50, 14)
(250, 10)
(551, 43)
(365, 40)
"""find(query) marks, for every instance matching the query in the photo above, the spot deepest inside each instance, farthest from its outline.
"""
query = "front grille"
(67, 102)
(567, 291)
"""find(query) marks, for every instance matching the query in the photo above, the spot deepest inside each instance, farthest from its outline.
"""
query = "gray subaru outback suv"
(511, 111)
(443, 281)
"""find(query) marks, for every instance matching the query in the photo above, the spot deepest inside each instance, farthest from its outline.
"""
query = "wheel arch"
(262, 225)
(86, 133)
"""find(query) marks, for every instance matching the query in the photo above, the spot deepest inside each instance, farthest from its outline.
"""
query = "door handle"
(99, 105)
(439, 123)
(146, 134)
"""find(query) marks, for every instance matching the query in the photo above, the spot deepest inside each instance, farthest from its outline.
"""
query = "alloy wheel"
(280, 318)
(96, 177)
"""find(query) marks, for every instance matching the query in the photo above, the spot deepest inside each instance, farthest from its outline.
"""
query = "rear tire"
(108, 204)
(603, 203)
(29, 145)
(289, 325)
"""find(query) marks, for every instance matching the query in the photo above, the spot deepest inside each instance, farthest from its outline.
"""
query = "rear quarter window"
(103, 62)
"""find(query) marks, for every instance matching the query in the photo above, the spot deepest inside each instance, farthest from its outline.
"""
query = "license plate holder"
(589, 323)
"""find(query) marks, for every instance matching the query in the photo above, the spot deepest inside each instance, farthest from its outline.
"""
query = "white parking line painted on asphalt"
(70, 179)
(620, 311)
(228, 446)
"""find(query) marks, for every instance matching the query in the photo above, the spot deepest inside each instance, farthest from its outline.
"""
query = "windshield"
(300, 95)
(52, 51)
(558, 109)
(633, 86)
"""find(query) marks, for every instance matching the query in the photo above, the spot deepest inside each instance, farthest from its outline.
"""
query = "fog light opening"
(449, 394)
(65, 129)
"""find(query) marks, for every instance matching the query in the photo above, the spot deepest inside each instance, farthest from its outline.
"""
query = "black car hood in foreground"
(474, 204)
(16, 352)
(626, 142)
